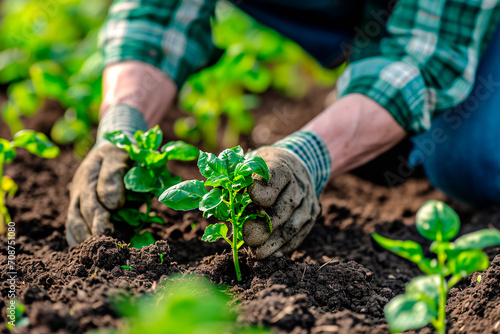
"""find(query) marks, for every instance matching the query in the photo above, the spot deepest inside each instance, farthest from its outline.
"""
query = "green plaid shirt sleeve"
(428, 61)
(174, 36)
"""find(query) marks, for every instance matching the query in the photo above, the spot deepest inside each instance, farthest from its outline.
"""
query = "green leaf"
(408, 249)
(468, 262)
(179, 150)
(425, 288)
(221, 211)
(241, 182)
(119, 139)
(152, 159)
(437, 221)
(429, 266)
(217, 181)
(135, 217)
(8, 186)
(214, 232)
(231, 158)
(404, 313)
(478, 240)
(7, 150)
(131, 216)
(149, 140)
(36, 143)
(142, 240)
(211, 199)
(49, 79)
(211, 166)
(139, 179)
(184, 196)
(165, 181)
(255, 165)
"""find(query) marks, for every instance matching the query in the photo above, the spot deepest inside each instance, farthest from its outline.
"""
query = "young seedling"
(229, 174)
(149, 177)
(127, 267)
(424, 300)
(36, 143)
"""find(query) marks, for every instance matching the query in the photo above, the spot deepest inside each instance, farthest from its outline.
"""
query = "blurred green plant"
(256, 59)
(183, 305)
(49, 50)
(424, 300)
(36, 143)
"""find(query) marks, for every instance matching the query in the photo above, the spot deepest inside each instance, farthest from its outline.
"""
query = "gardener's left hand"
(290, 201)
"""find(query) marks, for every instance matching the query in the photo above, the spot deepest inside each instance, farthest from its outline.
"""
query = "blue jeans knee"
(461, 152)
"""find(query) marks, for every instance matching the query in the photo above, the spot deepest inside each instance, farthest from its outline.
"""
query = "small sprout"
(424, 300)
(127, 267)
(148, 178)
(120, 245)
(34, 142)
(479, 278)
(161, 258)
(229, 174)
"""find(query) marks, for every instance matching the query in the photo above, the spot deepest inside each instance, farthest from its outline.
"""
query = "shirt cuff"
(310, 149)
(120, 117)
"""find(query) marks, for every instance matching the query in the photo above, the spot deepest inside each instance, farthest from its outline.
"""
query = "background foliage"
(48, 50)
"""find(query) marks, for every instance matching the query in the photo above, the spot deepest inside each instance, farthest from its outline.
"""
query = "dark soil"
(338, 281)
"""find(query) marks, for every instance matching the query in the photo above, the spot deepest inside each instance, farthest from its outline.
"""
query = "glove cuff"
(120, 117)
(310, 149)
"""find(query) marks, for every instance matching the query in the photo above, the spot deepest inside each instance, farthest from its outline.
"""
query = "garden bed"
(338, 281)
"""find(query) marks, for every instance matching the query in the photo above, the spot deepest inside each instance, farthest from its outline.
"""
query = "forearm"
(355, 129)
(139, 85)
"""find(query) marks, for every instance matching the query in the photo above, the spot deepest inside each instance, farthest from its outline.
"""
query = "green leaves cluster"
(424, 300)
(229, 174)
(36, 143)
(149, 177)
(181, 305)
(256, 59)
(50, 52)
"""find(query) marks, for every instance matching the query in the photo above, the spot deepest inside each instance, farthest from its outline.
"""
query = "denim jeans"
(461, 152)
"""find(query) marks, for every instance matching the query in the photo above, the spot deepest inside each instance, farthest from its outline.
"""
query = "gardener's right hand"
(97, 188)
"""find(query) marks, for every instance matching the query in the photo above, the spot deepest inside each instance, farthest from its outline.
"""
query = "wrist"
(120, 117)
(312, 152)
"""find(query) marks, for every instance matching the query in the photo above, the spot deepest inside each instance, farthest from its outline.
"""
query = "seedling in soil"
(161, 258)
(36, 143)
(149, 177)
(127, 267)
(229, 174)
(424, 300)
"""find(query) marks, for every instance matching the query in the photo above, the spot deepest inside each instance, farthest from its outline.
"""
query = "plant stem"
(235, 237)
(441, 328)
(440, 325)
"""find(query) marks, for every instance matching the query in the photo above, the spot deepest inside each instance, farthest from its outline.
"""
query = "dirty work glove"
(97, 185)
(299, 167)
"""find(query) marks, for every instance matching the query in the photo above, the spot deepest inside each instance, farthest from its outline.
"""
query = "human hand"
(290, 201)
(97, 188)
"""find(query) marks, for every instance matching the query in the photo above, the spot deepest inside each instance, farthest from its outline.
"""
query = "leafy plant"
(182, 305)
(229, 174)
(424, 300)
(50, 52)
(149, 177)
(256, 59)
(36, 143)
(127, 267)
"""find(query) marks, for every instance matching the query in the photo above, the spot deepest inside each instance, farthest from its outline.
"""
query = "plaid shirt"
(424, 64)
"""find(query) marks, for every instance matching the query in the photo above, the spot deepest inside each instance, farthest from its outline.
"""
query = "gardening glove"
(299, 167)
(97, 185)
